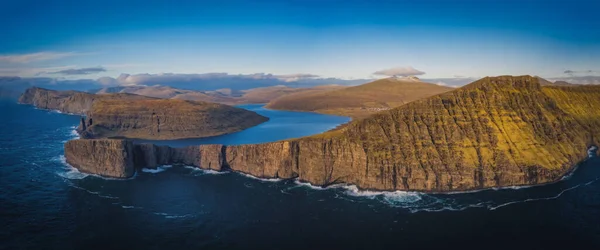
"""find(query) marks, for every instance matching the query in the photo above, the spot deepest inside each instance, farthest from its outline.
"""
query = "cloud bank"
(399, 71)
(81, 71)
(213, 81)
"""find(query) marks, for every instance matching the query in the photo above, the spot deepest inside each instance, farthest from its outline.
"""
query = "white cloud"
(35, 57)
(399, 71)
(578, 79)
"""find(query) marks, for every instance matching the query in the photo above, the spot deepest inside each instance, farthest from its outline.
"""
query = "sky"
(350, 39)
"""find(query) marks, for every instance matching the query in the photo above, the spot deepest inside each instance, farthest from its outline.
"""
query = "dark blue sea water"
(44, 204)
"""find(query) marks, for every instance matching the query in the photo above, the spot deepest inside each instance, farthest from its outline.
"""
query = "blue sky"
(348, 39)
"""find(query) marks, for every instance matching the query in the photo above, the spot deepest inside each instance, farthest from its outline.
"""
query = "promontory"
(495, 132)
(133, 116)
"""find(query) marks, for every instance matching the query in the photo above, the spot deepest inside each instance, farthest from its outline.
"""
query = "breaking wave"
(199, 171)
(157, 170)
(69, 172)
(260, 179)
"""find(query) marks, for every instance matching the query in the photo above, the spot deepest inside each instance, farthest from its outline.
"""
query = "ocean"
(46, 204)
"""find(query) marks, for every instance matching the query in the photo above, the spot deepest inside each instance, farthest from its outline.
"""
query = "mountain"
(360, 101)
(495, 132)
(136, 116)
(224, 96)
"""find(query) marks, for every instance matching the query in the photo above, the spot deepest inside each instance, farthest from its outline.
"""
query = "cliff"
(359, 101)
(111, 158)
(165, 119)
(498, 131)
(73, 102)
(135, 116)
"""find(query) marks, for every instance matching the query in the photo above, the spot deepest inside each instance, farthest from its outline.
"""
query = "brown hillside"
(359, 101)
(223, 96)
(165, 119)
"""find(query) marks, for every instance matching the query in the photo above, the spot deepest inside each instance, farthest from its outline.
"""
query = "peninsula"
(125, 115)
(495, 132)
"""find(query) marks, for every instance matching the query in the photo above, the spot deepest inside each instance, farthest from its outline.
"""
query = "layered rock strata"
(498, 131)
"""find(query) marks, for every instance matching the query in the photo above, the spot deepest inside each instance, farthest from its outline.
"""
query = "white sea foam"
(592, 151)
(157, 170)
(392, 197)
(92, 192)
(260, 179)
(128, 207)
(311, 186)
(71, 173)
(543, 198)
(173, 216)
(196, 170)
(74, 134)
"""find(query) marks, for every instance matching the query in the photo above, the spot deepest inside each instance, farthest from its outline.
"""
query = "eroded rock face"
(73, 102)
(135, 116)
(501, 131)
(109, 158)
(164, 119)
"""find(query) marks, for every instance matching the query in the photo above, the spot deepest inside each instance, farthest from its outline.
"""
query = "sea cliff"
(498, 131)
(134, 116)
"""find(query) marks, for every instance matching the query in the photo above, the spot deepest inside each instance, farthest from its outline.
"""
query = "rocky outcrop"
(164, 119)
(204, 156)
(498, 131)
(110, 158)
(73, 102)
(135, 116)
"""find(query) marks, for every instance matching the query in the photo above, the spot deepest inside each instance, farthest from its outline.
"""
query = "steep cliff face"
(165, 119)
(73, 102)
(498, 131)
(110, 158)
(135, 116)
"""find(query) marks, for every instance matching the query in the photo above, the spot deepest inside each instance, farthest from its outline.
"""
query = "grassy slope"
(359, 101)
(491, 122)
(505, 130)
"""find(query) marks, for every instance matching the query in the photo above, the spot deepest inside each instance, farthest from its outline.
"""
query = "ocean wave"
(70, 172)
(260, 179)
(311, 186)
(173, 216)
(391, 197)
(157, 170)
(200, 171)
(93, 192)
(543, 198)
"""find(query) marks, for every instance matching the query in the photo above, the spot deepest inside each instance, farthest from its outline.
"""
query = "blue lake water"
(281, 125)
(45, 204)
